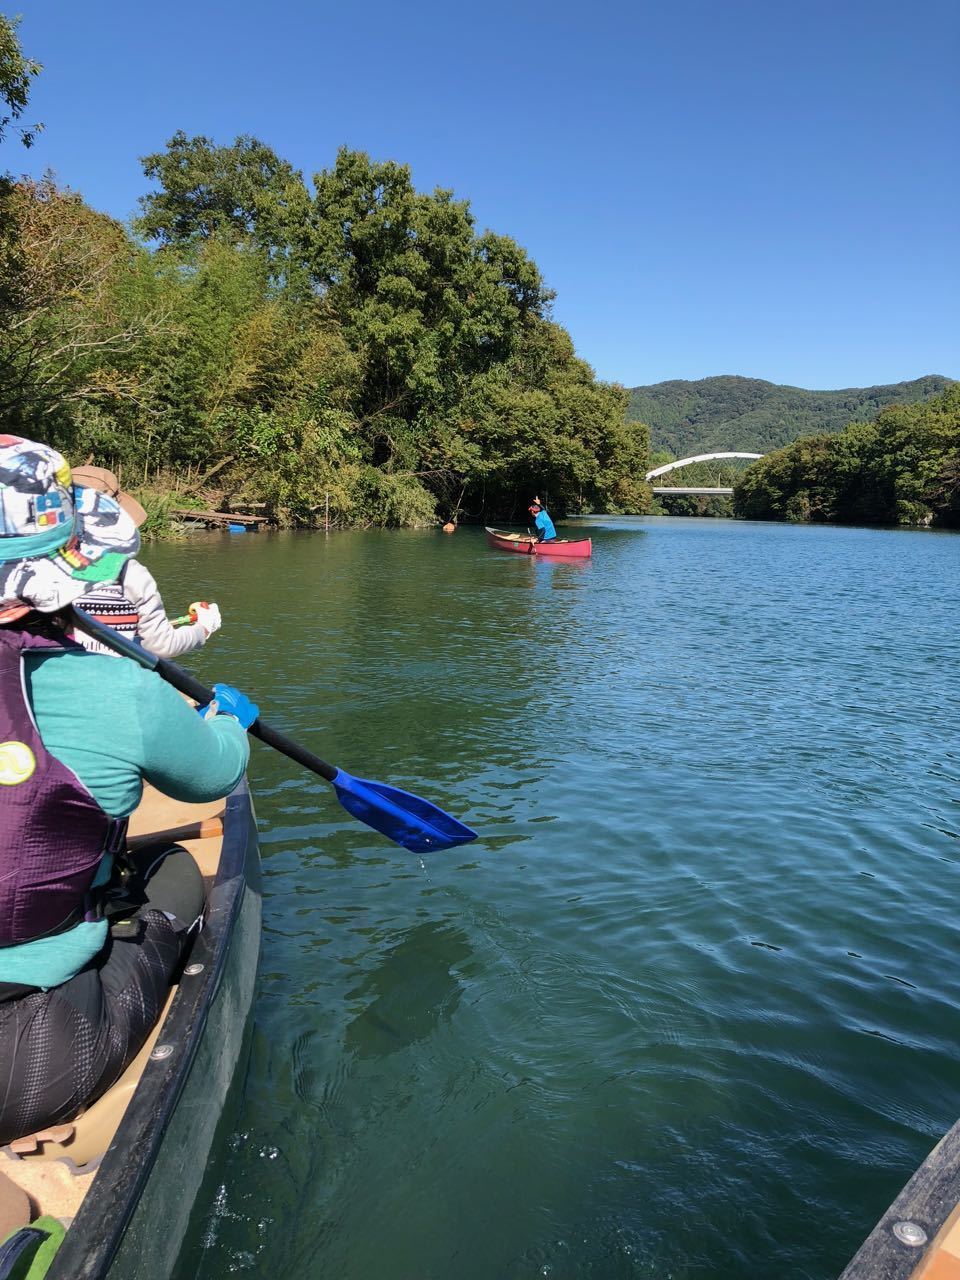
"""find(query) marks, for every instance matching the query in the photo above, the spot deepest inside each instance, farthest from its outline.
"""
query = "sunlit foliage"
(359, 346)
(901, 468)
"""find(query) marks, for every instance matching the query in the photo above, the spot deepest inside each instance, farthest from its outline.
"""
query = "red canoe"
(526, 545)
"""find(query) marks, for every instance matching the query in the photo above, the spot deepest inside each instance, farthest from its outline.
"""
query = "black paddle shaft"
(187, 684)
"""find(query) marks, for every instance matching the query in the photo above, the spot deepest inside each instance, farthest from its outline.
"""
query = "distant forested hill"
(756, 416)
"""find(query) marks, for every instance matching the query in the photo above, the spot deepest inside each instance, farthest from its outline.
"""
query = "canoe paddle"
(407, 820)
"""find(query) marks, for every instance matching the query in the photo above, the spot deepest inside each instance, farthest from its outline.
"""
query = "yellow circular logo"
(17, 763)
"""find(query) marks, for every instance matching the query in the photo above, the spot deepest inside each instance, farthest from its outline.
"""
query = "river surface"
(690, 1006)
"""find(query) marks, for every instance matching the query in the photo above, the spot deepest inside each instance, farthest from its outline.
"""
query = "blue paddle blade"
(407, 820)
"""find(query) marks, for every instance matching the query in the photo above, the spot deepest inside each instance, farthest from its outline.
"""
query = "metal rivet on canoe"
(910, 1233)
(161, 1051)
(193, 969)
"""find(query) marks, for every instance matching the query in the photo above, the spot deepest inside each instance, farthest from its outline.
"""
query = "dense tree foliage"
(746, 413)
(239, 193)
(902, 468)
(16, 72)
(60, 318)
(263, 342)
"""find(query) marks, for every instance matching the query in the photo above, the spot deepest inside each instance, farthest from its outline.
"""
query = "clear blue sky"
(711, 186)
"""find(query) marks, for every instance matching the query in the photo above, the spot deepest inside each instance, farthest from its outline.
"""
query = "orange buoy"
(449, 527)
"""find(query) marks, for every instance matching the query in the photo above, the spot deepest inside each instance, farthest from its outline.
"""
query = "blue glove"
(231, 702)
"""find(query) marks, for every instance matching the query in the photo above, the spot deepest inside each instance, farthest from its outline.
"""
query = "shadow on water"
(410, 992)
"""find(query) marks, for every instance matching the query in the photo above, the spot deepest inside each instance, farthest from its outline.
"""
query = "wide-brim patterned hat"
(106, 482)
(55, 540)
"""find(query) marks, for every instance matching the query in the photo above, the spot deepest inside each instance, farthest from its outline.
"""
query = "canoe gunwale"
(95, 1235)
(931, 1201)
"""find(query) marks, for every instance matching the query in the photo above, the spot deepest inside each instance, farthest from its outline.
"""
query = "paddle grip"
(185, 683)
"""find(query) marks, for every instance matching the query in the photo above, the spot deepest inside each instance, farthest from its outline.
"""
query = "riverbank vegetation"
(901, 468)
(253, 338)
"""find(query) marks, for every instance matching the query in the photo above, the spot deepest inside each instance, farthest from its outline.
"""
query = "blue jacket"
(543, 521)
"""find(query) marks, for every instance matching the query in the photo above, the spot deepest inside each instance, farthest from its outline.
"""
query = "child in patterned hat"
(52, 546)
(132, 604)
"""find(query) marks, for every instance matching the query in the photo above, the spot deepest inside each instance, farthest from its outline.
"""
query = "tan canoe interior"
(522, 537)
(49, 1172)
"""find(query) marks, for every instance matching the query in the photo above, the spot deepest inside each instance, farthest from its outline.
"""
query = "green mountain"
(749, 414)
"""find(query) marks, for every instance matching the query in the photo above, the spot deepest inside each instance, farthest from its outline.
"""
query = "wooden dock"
(218, 519)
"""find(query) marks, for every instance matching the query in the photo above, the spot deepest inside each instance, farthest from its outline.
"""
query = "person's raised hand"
(208, 615)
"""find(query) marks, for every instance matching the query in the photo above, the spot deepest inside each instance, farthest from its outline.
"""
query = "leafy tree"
(902, 468)
(16, 73)
(59, 271)
(540, 423)
(241, 193)
(427, 301)
(367, 344)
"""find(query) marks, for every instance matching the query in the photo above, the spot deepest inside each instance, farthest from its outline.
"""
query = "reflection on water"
(689, 1006)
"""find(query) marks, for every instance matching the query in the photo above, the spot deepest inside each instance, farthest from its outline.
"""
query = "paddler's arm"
(154, 630)
(187, 757)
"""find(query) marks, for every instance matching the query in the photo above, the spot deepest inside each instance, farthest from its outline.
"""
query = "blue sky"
(711, 186)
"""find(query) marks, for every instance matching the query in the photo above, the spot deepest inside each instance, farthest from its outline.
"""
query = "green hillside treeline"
(688, 418)
(256, 338)
(901, 468)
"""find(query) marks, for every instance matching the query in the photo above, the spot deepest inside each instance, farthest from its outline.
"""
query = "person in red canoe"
(542, 522)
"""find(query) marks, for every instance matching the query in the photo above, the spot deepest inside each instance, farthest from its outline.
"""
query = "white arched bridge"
(685, 462)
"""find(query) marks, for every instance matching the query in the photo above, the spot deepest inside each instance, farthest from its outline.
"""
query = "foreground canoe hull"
(133, 1220)
(524, 545)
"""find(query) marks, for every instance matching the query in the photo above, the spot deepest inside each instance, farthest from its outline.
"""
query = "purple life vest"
(53, 834)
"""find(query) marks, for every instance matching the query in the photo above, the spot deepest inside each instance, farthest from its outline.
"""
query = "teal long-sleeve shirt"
(115, 725)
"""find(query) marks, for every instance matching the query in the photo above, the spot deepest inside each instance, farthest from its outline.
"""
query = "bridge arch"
(700, 457)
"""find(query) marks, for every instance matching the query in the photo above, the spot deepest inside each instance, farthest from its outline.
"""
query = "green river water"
(690, 1006)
